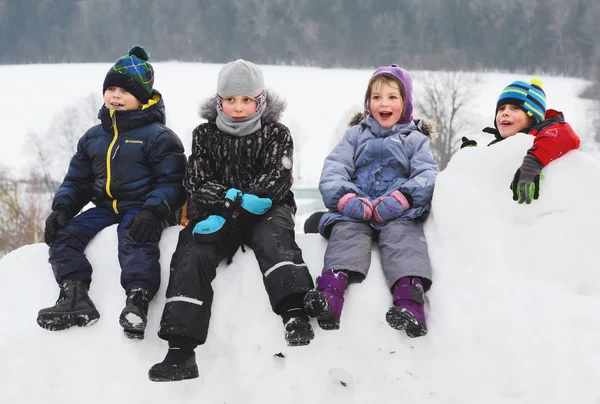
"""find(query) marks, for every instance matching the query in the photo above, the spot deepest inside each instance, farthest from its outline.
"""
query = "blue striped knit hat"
(528, 96)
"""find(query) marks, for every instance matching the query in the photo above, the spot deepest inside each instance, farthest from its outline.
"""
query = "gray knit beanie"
(240, 78)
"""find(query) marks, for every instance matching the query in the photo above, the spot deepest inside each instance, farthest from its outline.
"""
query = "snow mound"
(511, 313)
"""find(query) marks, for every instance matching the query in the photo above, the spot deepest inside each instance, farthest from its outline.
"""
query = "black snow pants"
(193, 267)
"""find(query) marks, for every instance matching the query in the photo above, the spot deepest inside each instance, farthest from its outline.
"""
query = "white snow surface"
(512, 312)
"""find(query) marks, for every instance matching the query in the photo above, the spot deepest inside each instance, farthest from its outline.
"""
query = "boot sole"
(300, 338)
(132, 334)
(64, 321)
(402, 319)
(132, 321)
(159, 376)
(316, 305)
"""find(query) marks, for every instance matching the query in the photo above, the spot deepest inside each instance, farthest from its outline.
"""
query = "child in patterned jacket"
(239, 177)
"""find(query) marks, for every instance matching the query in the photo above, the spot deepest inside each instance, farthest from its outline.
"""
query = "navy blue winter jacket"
(132, 159)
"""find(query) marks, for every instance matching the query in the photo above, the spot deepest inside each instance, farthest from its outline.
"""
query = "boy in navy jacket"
(131, 166)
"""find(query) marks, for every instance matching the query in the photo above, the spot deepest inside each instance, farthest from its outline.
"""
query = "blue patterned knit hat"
(528, 96)
(132, 73)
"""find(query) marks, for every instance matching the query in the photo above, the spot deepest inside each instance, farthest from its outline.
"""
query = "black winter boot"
(298, 331)
(133, 318)
(73, 307)
(179, 364)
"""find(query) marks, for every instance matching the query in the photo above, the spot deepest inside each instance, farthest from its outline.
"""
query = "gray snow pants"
(402, 245)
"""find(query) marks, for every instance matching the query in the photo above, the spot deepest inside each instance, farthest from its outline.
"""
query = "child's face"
(386, 103)
(239, 106)
(511, 120)
(120, 99)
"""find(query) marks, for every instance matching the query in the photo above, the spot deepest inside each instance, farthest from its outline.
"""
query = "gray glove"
(526, 182)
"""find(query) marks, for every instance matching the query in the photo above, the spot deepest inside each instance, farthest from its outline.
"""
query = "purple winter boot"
(326, 301)
(408, 312)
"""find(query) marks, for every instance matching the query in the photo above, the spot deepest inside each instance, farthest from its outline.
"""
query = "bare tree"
(52, 150)
(444, 98)
(24, 203)
(22, 212)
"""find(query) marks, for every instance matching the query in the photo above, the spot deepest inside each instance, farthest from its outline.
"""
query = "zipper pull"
(115, 152)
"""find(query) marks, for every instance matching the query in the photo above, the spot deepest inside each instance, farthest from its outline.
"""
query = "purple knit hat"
(405, 78)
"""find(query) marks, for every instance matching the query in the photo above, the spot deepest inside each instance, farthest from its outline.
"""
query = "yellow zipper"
(108, 159)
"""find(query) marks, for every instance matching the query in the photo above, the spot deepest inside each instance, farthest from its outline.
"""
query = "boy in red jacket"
(521, 108)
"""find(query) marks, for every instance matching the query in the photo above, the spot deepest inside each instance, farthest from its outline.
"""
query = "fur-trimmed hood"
(273, 110)
(427, 126)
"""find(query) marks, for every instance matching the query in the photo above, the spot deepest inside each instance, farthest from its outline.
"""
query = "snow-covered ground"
(512, 312)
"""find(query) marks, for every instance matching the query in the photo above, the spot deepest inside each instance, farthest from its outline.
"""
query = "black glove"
(55, 221)
(492, 131)
(144, 227)
(526, 182)
(466, 142)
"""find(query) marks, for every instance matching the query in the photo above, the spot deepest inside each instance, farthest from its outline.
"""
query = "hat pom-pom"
(536, 82)
(139, 52)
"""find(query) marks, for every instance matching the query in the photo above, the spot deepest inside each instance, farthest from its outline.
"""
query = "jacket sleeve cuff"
(543, 156)
(403, 198)
(161, 211)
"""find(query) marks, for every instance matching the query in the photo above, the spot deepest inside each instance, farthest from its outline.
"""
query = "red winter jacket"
(553, 137)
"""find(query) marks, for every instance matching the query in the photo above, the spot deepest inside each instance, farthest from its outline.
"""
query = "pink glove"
(352, 206)
(386, 208)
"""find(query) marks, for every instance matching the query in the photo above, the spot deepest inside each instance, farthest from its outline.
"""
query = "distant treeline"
(551, 36)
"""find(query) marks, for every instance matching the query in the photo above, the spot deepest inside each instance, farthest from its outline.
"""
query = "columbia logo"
(134, 141)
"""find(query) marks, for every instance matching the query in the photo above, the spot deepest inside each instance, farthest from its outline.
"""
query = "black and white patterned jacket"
(260, 163)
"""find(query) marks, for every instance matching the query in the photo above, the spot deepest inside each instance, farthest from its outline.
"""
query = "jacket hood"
(273, 110)
(427, 126)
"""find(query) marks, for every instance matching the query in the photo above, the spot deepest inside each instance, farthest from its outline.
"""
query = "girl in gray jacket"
(377, 184)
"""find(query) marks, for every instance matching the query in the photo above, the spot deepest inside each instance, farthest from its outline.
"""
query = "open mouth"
(385, 115)
(116, 105)
(505, 123)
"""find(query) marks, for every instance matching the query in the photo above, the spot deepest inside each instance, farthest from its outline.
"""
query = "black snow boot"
(133, 318)
(298, 331)
(179, 364)
(311, 225)
(73, 307)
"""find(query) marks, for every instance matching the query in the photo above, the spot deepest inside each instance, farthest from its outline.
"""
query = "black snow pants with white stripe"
(193, 267)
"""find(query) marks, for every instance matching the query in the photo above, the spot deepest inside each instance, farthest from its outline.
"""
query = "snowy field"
(511, 313)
